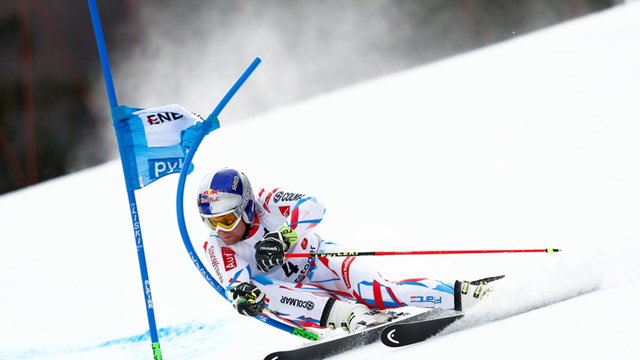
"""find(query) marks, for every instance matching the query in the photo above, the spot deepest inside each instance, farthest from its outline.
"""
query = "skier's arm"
(233, 274)
(306, 215)
(301, 212)
(229, 268)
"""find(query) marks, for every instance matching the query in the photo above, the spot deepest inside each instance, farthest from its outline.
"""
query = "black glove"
(248, 299)
(271, 249)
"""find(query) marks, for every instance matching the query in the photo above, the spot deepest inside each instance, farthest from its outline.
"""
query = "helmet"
(225, 197)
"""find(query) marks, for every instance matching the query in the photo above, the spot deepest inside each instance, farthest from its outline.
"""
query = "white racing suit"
(299, 290)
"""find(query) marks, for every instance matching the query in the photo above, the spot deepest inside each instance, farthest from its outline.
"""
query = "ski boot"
(468, 293)
(352, 317)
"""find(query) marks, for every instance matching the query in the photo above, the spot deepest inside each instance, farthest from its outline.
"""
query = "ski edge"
(435, 326)
(345, 343)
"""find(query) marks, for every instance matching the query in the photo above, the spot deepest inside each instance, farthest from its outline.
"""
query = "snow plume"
(514, 295)
(191, 53)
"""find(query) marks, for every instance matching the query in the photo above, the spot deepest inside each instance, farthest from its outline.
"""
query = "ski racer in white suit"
(247, 246)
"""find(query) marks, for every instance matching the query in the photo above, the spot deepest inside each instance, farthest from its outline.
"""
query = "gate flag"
(150, 141)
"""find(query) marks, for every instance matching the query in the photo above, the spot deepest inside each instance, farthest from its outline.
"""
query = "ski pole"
(428, 252)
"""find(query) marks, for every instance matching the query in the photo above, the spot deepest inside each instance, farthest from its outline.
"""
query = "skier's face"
(234, 236)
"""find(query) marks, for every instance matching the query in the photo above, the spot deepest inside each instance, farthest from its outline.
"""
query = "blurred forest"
(51, 124)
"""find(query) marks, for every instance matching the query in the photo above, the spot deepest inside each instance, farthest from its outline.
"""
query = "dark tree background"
(49, 62)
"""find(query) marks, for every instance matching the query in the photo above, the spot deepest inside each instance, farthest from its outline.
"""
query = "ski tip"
(552, 250)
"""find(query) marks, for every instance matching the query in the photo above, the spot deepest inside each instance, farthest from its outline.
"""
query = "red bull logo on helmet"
(208, 196)
(210, 192)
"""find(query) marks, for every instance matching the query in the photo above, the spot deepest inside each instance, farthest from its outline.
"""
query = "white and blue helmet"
(226, 190)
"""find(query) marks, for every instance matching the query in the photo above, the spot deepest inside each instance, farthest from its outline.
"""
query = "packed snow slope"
(526, 144)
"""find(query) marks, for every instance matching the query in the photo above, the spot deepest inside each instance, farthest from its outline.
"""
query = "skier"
(251, 236)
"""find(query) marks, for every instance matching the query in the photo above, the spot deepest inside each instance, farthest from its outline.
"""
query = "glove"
(248, 299)
(271, 249)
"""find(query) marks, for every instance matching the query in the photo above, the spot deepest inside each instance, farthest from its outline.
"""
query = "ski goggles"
(226, 221)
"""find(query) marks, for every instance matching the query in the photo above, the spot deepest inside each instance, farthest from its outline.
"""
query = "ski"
(325, 349)
(396, 335)
(402, 334)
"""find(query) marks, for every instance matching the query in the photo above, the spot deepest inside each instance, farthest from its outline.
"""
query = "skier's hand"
(271, 249)
(248, 299)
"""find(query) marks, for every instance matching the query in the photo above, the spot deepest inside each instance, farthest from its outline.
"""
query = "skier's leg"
(351, 276)
(332, 275)
(302, 304)
(377, 292)
(371, 289)
(347, 278)
(380, 293)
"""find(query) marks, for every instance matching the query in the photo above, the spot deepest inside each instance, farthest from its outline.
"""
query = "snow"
(531, 143)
